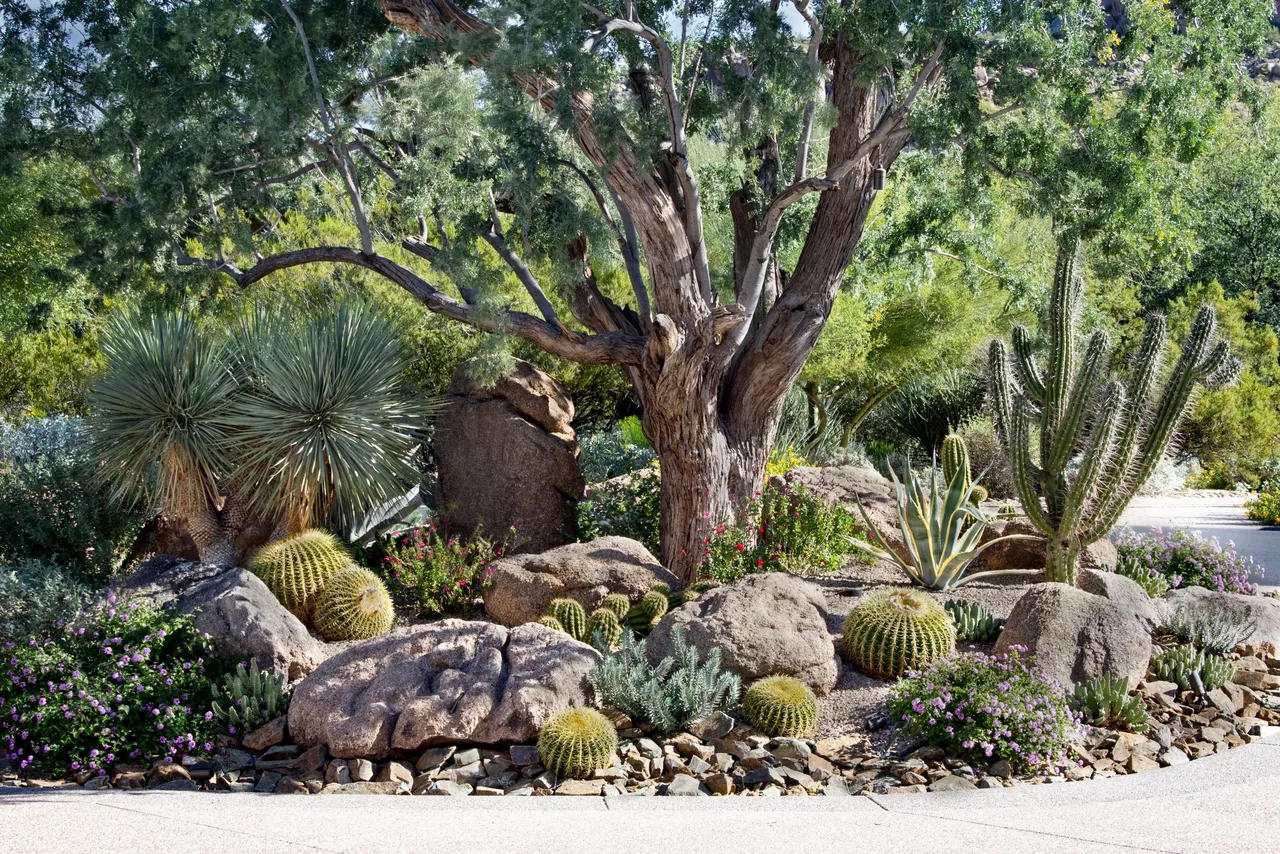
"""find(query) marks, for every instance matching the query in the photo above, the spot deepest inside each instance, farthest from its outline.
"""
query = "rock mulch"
(724, 758)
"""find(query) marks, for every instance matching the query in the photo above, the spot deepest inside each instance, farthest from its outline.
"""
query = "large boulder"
(508, 457)
(853, 486)
(1125, 593)
(234, 607)
(763, 624)
(524, 585)
(1013, 554)
(1263, 610)
(451, 682)
(1074, 635)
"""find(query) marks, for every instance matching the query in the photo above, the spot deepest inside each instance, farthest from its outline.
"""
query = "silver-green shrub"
(36, 597)
(1211, 626)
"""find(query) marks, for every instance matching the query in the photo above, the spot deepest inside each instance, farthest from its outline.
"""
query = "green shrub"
(1183, 664)
(669, 695)
(577, 743)
(38, 597)
(249, 698)
(611, 453)
(54, 508)
(438, 574)
(1265, 508)
(354, 605)
(1188, 559)
(624, 507)
(1213, 627)
(121, 684)
(1106, 702)
(891, 632)
(781, 706)
(987, 708)
(633, 432)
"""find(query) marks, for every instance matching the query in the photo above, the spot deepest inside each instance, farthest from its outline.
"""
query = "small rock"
(291, 786)
(166, 772)
(698, 765)
(713, 726)
(836, 787)
(580, 787)
(1174, 756)
(913, 778)
(229, 759)
(1158, 686)
(395, 772)
(433, 758)
(101, 781)
(951, 783)
(763, 774)
(792, 748)
(337, 772)
(1139, 763)
(181, 785)
(361, 770)
(267, 782)
(649, 748)
(914, 789)
(365, 787)
(989, 783)
(684, 785)
(720, 784)
(265, 736)
(489, 791)
(466, 757)
(523, 754)
(1002, 769)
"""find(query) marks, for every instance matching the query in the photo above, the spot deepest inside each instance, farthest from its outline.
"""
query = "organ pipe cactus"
(1119, 430)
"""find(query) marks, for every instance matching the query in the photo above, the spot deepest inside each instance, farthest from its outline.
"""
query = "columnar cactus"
(955, 461)
(297, 568)
(1119, 431)
(618, 603)
(604, 623)
(892, 631)
(354, 605)
(571, 616)
(781, 706)
(577, 743)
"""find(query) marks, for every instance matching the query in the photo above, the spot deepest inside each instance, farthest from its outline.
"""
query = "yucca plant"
(940, 530)
(160, 422)
(326, 431)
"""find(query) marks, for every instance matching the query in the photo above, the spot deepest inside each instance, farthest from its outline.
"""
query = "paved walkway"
(1218, 515)
(1222, 804)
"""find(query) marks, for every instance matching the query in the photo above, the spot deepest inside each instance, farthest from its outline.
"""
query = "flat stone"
(366, 787)
(395, 772)
(713, 726)
(230, 759)
(524, 754)
(101, 781)
(791, 748)
(489, 791)
(719, 784)
(164, 772)
(177, 786)
(1158, 686)
(433, 758)
(951, 783)
(291, 786)
(764, 774)
(267, 782)
(580, 787)
(914, 789)
(1139, 763)
(836, 787)
(698, 765)
(1174, 756)
(466, 757)
(685, 785)
(266, 735)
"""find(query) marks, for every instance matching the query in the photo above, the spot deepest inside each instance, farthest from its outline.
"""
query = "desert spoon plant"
(1120, 431)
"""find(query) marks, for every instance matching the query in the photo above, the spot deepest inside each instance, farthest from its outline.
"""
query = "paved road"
(1221, 804)
(1218, 515)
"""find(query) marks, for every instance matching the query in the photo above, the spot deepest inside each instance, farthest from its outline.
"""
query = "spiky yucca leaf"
(327, 429)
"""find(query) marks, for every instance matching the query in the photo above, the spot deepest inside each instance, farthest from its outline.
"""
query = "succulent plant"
(978, 495)
(1151, 580)
(661, 587)
(249, 698)
(701, 587)
(551, 623)
(652, 608)
(893, 631)
(974, 623)
(955, 460)
(354, 605)
(1118, 432)
(618, 603)
(781, 706)
(571, 616)
(577, 742)
(675, 600)
(297, 568)
(603, 629)
(1183, 664)
(1212, 627)
(1007, 510)
(1106, 702)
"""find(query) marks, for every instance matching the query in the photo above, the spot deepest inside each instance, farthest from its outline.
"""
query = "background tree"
(554, 137)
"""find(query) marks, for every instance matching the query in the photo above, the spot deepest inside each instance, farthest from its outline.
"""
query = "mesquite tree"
(559, 138)
(1118, 431)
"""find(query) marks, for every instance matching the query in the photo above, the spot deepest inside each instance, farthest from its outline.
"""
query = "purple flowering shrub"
(438, 574)
(988, 707)
(1189, 560)
(120, 684)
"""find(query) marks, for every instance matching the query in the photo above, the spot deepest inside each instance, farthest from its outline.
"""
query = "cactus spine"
(577, 743)
(781, 706)
(1128, 426)
(603, 624)
(892, 631)
(571, 616)
(652, 608)
(297, 568)
(354, 605)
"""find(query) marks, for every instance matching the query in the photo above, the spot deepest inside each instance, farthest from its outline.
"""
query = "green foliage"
(1106, 702)
(1211, 626)
(988, 708)
(1264, 508)
(1185, 664)
(37, 598)
(618, 603)
(670, 694)
(633, 432)
(1187, 559)
(438, 574)
(627, 506)
(930, 406)
(53, 508)
(1129, 427)
(891, 632)
(940, 530)
(249, 698)
(603, 631)
(297, 568)
(354, 605)
(1148, 577)
(570, 614)
(974, 622)
(781, 706)
(576, 743)
(132, 684)
(607, 454)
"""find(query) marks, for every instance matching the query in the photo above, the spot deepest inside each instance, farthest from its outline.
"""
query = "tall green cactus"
(1119, 430)
(955, 458)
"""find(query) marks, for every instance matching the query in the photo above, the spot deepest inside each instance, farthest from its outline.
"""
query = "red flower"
(739, 547)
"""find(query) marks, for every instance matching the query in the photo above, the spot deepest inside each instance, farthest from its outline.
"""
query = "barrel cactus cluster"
(894, 631)
(317, 580)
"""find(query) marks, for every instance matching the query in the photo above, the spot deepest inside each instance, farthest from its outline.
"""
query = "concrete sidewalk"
(1225, 803)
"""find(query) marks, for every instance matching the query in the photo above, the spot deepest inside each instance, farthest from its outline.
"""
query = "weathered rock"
(232, 605)
(442, 683)
(1075, 636)
(763, 624)
(1263, 610)
(270, 733)
(524, 585)
(1013, 554)
(508, 456)
(1101, 554)
(852, 485)
(1126, 593)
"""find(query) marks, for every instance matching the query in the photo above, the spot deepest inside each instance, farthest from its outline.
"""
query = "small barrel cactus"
(618, 603)
(577, 743)
(675, 600)
(661, 587)
(979, 494)
(974, 623)
(603, 629)
(652, 608)
(1182, 663)
(551, 623)
(893, 631)
(781, 706)
(354, 605)
(571, 616)
(297, 568)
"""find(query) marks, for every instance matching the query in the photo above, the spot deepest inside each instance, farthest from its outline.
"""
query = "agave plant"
(325, 431)
(940, 531)
(160, 423)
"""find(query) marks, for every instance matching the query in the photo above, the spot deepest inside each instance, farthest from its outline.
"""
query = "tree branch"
(806, 129)
(494, 237)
